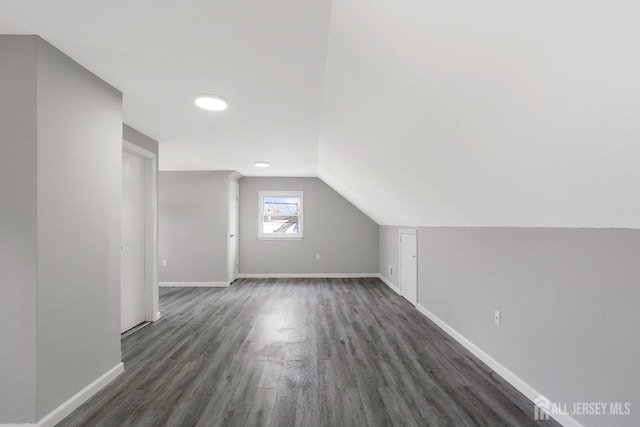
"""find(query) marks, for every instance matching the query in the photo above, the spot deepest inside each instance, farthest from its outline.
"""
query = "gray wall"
(79, 191)
(140, 139)
(193, 210)
(61, 137)
(345, 238)
(18, 229)
(569, 300)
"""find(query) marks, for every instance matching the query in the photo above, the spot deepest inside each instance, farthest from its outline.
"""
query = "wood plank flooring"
(299, 352)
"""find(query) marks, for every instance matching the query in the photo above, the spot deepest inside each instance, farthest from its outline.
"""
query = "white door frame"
(151, 294)
(402, 231)
(233, 274)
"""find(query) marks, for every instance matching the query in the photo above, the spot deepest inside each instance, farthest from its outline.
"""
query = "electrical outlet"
(317, 257)
(497, 318)
(165, 263)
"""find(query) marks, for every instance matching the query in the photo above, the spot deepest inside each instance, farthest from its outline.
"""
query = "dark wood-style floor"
(316, 352)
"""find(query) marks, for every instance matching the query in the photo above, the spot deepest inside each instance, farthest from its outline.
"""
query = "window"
(280, 215)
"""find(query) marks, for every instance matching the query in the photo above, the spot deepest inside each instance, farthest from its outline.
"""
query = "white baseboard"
(79, 398)
(308, 276)
(524, 388)
(195, 284)
(157, 317)
(19, 425)
(393, 287)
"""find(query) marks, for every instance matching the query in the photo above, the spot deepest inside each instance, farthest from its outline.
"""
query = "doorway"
(234, 201)
(138, 261)
(132, 247)
(409, 265)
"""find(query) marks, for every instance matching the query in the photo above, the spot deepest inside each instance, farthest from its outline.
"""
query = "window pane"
(281, 205)
(290, 226)
(281, 214)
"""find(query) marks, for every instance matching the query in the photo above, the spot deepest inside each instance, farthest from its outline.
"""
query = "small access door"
(409, 265)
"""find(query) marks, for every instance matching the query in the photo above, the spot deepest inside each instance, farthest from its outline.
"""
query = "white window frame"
(282, 236)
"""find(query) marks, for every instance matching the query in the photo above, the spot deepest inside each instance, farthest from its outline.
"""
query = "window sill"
(279, 238)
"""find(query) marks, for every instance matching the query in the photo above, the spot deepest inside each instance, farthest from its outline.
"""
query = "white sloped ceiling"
(490, 113)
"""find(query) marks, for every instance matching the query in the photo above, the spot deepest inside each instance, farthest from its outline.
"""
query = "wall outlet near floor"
(497, 318)
(165, 263)
(317, 257)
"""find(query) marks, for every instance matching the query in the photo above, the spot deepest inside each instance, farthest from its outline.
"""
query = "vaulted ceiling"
(455, 113)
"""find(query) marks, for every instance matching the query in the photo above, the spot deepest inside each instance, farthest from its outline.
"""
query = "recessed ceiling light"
(211, 102)
(262, 164)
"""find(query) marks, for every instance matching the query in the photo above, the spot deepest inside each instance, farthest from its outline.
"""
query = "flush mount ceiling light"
(211, 102)
(262, 164)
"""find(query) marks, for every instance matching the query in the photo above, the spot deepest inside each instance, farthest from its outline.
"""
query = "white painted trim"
(296, 237)
(233, 274)
(136, 150)
(151, 238)
(308, 276)
(82, 396)
(284, 236)
(157, 317)
(195, 284)
(393, 287)
(19, 425)
(524, 388)
(151, 293)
